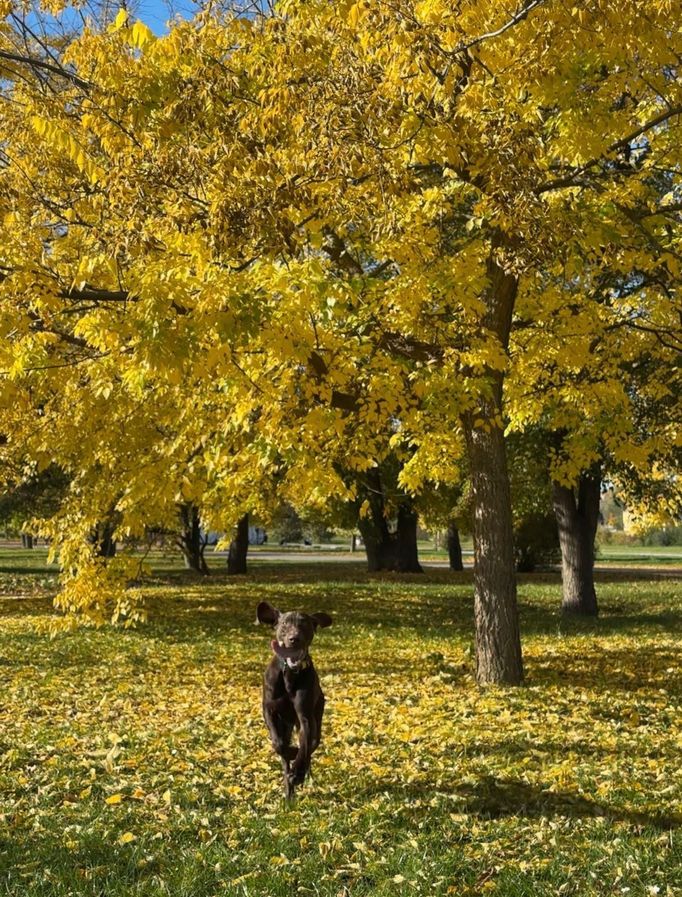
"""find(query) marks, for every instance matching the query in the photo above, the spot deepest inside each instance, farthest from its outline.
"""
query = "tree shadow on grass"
(496, 798)
(25, 605)
(44, 866)
(37, 570)
(607, 668)
(366, 605)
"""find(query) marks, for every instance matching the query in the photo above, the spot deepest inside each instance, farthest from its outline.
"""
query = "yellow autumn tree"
(259, 245)
(605, 391)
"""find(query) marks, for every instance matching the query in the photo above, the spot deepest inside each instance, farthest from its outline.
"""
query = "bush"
(608, 536)
(664, 536)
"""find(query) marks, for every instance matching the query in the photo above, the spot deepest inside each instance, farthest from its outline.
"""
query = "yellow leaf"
(114, 799)
(355, 13)
(126, 838)
(120, 20)
(141, 34)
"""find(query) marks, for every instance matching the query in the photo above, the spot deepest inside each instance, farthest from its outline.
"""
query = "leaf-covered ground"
(137, 763)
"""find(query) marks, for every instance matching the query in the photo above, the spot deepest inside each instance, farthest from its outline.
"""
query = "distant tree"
(239, 547)
(536, 539)
(387, 519)
(191, 540)
(38, 495)
(448, 507)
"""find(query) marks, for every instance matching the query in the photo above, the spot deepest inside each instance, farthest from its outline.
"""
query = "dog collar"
(296, 668)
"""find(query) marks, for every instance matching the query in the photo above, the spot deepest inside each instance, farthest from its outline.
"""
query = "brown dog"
(292, 697)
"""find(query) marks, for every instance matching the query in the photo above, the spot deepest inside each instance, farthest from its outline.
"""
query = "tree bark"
(577, 514)
(104, 539)
(191, 541)
(498, 641)
(239, 547)
(386, 550)
(454, 548)
(26, 540)
(407, 556)
(379, 545)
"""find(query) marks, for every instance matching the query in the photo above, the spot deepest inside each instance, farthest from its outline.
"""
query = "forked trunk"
(454, 548)
(191, 540)
(577, 514)
(386, 550)
(239, 547)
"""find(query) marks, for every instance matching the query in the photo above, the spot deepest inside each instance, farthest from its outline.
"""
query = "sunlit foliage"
(240, 253)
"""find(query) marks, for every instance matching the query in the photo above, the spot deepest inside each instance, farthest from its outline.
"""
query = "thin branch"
(518, 16)
(34, 63)
(570, 180)
(88, 294)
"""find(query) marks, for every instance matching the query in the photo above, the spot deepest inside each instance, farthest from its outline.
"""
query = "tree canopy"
(241, 255)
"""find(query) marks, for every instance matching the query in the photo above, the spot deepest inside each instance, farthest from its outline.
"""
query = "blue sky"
(156, 13)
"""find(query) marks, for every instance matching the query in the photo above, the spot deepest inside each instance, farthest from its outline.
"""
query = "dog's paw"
(289, 788)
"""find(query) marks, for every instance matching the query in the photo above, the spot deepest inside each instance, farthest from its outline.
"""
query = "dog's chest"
(295, 681)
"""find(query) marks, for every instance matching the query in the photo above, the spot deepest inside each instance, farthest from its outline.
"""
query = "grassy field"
(136, 762)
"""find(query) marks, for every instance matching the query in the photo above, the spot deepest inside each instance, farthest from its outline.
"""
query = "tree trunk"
(380, 546)
(386, 550)
(498, 641)
(26, 540)
(239, 547)
(454, 548)
(191, 541)
(577, 514)
(104, 539)
(407, 557)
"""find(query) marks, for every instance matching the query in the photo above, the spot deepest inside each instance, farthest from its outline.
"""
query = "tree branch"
(570, 179)
(89, 294)
(34, 63)
(518, 16)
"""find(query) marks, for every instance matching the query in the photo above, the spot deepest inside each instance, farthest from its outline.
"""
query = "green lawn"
(136, 762)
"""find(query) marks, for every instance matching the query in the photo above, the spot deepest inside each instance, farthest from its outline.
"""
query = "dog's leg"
(278, 718)
(301, 762)
(319, 711)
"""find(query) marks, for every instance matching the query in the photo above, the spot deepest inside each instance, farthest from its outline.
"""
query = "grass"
(136, 762)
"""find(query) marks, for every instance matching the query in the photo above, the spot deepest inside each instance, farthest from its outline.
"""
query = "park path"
(666, 570)
(672, 571)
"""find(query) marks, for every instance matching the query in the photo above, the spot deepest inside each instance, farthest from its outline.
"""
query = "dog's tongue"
(281, 651)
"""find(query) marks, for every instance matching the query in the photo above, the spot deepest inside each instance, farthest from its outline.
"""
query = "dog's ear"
(321, 620)
(266, 613)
